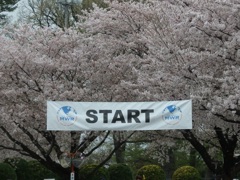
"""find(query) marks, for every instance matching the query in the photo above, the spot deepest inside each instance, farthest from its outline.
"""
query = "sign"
(72, 176)
(98, 116)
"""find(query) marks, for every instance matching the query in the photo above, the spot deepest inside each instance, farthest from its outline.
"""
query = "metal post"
(72, 175)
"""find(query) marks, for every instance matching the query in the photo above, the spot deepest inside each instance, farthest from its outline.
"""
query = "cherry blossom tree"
(130, 51)
(182, 49)
(213, 28)
(28, 79)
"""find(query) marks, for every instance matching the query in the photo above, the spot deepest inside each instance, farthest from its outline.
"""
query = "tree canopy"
(129, 51)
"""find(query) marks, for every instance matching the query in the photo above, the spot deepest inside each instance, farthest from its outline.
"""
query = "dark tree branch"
(111, 154)
(99, 144)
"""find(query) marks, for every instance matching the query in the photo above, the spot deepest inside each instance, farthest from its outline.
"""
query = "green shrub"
(21, 168)
(120, 172)
(85, 173)
(7, 172)
(152, 172)
(40, 172)
(186, 173)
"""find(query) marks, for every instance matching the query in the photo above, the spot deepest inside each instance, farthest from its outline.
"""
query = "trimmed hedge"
(21, 168)
(186, 173)
(40, 172)
(100, 174)
(151, 172)
(120, 172)
(7, 172)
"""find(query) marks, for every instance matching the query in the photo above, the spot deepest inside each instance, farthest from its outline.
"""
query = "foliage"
(7, 172)
(88, 4)
(21, 168)
(120, 172)
(186, 173)
(86, 173)
(29, 170)
(138, 154)
(161, 50)
(39, 172)
(5, 7)
(151, 172)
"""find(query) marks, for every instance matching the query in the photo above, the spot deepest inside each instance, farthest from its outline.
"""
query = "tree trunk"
(192, 160)
(118, 137)
(120, 154)
(228, 142)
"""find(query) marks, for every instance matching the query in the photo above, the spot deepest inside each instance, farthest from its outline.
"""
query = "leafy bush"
(85, 173)
(120, 172)
(40, 172)
(21, 168)
(7, 172)
(186, 173)
(152, 172)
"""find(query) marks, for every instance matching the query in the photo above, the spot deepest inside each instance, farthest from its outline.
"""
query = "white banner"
(98, 116)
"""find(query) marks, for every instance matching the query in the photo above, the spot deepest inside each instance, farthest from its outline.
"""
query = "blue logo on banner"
(66, 115)
(172, 114)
